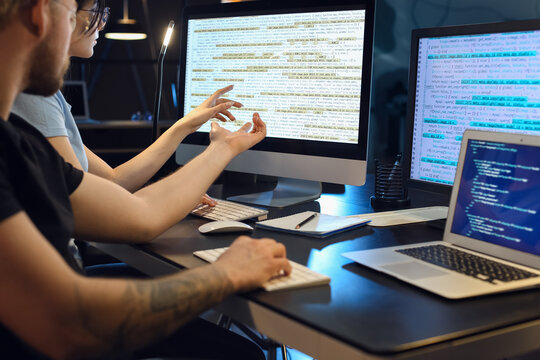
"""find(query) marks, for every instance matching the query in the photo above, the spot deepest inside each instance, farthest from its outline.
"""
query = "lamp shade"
(123, 30)
(126, 28)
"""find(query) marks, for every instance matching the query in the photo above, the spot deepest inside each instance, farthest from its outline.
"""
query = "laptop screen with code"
(498, 195)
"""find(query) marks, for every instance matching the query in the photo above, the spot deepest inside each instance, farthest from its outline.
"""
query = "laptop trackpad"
(413, 270)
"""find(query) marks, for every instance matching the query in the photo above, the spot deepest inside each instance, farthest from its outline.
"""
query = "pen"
(304, 222)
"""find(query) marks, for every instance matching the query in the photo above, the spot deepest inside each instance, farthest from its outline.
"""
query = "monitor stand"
(287, 192)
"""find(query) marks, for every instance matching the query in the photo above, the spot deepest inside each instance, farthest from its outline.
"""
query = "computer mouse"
(223, 226)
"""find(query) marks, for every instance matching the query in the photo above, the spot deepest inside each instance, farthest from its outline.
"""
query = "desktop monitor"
(483, 77)
(305, 67)
(76, 95)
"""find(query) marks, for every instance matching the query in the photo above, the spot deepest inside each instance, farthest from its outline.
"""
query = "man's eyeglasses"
(103, 16)
(73, 14)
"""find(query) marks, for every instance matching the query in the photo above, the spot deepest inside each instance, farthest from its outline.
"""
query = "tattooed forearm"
(189, 293)
(153, 309)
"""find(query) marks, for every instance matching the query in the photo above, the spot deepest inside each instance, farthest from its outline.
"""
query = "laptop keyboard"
(300, 277)
(467, 263)
(228, 210)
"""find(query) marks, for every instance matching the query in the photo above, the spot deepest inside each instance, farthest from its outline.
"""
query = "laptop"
(491, 241)
(77, 96)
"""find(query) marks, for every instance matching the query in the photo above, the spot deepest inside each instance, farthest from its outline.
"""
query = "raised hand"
(250, 262)
(242, 139)
(213, 107)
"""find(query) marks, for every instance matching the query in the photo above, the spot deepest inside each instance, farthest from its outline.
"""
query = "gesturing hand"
(213, 107)
(242, 139)
(251, 262)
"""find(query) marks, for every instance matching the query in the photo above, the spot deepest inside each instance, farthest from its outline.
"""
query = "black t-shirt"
(36, 180)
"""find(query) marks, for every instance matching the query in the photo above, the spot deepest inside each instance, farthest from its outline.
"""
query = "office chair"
(267, 344)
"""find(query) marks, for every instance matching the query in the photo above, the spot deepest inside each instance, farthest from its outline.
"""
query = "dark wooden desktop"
(362, 313)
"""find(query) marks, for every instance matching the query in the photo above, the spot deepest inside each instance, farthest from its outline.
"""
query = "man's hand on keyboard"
(251, 262)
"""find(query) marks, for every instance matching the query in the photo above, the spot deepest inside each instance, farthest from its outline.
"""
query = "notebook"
(312, 224)
(491, 242)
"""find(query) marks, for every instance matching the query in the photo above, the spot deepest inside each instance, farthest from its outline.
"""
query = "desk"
(362, 314)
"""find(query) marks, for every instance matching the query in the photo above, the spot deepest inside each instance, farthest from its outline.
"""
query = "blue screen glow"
(498, 195)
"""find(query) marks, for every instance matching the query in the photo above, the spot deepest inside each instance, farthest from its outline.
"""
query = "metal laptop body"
(508, 234)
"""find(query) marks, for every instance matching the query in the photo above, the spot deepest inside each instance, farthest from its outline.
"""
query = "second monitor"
(306, 71)
(482, 77)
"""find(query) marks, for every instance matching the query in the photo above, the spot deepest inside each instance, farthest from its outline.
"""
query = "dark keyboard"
(467, 264)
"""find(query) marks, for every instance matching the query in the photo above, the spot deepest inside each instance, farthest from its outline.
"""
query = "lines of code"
(483, 82)
(301, 72)
(498, 195)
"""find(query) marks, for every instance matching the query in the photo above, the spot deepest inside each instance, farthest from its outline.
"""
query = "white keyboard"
(300, 277)
(405, 216)
(228, 210)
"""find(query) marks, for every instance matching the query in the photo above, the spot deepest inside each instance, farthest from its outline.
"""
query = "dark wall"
(394, 22)
(121, 75)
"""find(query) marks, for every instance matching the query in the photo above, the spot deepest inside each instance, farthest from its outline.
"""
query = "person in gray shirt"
(45, 304)
(52, 117)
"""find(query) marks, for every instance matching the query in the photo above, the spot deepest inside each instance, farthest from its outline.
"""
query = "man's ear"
(40, 17)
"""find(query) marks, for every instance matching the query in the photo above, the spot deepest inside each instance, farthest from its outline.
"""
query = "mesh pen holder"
(390, 192)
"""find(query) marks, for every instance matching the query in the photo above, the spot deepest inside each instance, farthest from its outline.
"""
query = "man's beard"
(42, 79)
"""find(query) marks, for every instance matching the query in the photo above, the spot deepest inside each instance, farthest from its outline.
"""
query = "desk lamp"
(157, 101)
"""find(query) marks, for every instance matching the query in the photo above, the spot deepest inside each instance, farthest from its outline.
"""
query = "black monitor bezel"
(445, 31)
(292, 146)
(79, 85)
